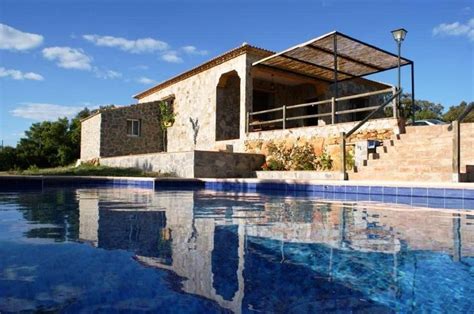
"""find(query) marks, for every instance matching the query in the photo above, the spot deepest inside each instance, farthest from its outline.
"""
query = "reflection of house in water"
(255, 252)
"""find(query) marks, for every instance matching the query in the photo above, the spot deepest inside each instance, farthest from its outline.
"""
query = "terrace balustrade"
(254, 120)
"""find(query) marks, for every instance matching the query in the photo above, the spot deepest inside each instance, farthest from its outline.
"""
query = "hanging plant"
(167, 118)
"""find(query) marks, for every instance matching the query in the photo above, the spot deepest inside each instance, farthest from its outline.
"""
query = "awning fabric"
(317, 58)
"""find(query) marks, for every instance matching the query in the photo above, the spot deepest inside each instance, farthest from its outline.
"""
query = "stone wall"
(194, 164)
(114, 138)
(322, 138)
(90, 137)
(195, 98)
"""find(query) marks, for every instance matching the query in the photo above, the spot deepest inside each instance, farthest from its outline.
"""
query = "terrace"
(319, 83)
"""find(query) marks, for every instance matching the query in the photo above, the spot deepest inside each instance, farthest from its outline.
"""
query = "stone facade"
(105, 134)
(211, 104)
(218, 99)
(195, 99)
(90, 137)
(193, 164)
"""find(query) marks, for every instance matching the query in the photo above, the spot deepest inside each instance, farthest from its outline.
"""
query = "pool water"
(201, 251)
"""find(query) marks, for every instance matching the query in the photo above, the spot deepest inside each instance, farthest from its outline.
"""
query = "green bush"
(296, 157)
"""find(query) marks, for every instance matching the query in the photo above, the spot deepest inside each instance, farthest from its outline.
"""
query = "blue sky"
(59, 56)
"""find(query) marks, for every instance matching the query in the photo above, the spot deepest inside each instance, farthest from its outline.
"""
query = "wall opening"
(228, 107)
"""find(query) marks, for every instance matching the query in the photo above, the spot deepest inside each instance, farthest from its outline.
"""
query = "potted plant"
(167, 118)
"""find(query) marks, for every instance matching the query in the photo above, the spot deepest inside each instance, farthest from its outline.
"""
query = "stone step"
(403, 154)
(420, 154)
(390, 163)
(415, 156)
(424, 141)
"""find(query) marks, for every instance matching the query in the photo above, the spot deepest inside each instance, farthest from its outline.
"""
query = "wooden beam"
(316, 65)
(257, 70)
(314, 77)
(347, 58)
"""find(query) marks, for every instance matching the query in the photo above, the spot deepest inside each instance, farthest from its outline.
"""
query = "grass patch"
(90, 170)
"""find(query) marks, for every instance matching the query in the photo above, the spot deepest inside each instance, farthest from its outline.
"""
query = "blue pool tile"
(403, 199)
(419, 192)
(329, 195)
(340, 189)
(363, 189)
(279, 186)
(351, 196)
(388, 190)
(316, 188)
(376, 190)
(403, 191)
(328, 188)
(468, 204)
(363, 197)
(263, 186)
(376, 197)
(453, 203)
(436, 202)
(454, 193)
(388, 198)
(468, 193)
(317, 194)
(351, 189)
(252, 186)
(419, 200)
(435, 192)
(301, 187)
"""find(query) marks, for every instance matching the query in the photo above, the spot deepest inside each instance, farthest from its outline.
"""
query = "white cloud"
(68, 58)
(18, 75)
(456, 29)
(106, 74)
(13, 39)
(192, 50)
(172, 57)
(140, 45)
(146, 80)
(42, 112)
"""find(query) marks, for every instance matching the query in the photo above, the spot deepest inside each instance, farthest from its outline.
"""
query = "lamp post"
(399, 36)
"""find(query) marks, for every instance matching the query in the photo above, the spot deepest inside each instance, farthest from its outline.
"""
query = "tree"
(8, 158)
(455, 111)
(424, 109)
(47, 144)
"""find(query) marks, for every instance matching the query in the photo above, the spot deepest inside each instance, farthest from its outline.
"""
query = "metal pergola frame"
(337, 55)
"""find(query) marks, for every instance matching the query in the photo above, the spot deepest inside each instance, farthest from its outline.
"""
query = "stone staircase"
(423, 153)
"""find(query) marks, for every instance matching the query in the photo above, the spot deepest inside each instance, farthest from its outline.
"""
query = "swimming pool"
(199, 250)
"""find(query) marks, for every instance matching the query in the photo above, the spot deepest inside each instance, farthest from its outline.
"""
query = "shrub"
(295, 157)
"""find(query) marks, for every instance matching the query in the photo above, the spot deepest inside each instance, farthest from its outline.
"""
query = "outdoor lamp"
(399, 34)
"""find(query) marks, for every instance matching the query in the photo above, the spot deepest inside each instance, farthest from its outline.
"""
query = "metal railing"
(345, 136)
(456, 128)
(333, 113)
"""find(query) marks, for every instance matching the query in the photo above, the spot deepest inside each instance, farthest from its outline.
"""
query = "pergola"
(336, 57)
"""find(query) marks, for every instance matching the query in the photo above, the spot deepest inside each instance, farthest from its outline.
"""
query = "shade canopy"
(319, 58)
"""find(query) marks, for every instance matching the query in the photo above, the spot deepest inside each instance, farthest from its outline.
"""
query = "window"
(133, 127)
(169, 100)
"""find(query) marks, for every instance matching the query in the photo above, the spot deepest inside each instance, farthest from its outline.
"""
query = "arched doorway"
(228, 107)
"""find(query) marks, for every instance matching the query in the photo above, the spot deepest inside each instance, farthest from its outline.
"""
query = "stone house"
(246, 96)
